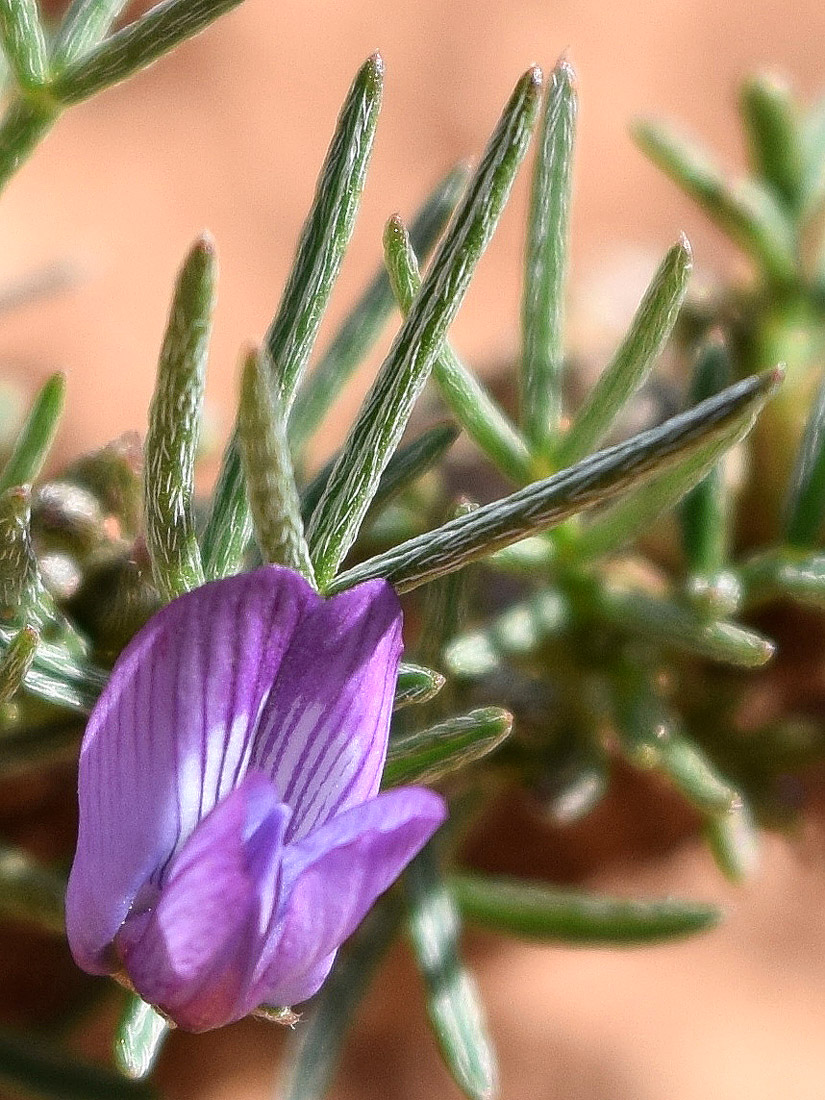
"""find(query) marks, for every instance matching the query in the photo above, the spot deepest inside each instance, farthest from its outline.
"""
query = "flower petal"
(169, 737)
(193, 952)
(323, 731)
(330, 880)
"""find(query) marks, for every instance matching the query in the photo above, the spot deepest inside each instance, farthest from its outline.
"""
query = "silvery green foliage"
(596, 612)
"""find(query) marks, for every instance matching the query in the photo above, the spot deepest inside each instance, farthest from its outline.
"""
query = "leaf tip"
(534, 77)
(564, 73)
(204, 245)
(373, 71)
(395, 231)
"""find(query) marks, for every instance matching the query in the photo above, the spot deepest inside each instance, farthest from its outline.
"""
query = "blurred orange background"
(228, 134)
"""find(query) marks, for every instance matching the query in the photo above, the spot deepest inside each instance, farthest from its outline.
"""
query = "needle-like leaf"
(386, 410)
(535, 912)
(273, 496)
(426, 756)
(16, 661)
(36, 435)
(638, 352)
(363, 325)
(139, 1038)
(291, 336)
(407, 464)
(134, 47)
(784, 575)
(546, 503)
(704, 511)
(748, 212)
(24, 43)
(416, 684)
(650, 738)
(683, 629)
(774, 136)
(734, 841)
(321, 1038)
(85, 24)
(453, 1003)
(548, 236)
(24, 123)
(469, 402)
(174, 428)
(806, 496)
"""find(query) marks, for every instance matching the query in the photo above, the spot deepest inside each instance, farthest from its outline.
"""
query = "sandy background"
(229, 135)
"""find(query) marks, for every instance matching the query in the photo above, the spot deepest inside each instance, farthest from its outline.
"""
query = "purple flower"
(231, 831)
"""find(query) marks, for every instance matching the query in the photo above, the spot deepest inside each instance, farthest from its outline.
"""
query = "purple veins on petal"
(230, 834)
(323, 731)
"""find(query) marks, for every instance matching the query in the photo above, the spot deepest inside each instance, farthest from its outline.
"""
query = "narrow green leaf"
(364, 323)
(750, 214)
(774, 131)
(470, 403)
(384, 414)
(634, 514)
(16, 660)
(416, 684)
(24, 599)
(326, 233)
(291, 336)
(310, 1074)
(273, 495)
(734, 841)
(134, 47)
(548, 237)
(535, 912)
(704, 511)
(650, 738)
(139, 1038)
(453, 1003)
(784, 575)
(546, 503)
(60, 676)
(229, 528)
(519, 631)
(19, 579)
(806, 495)
(406, 465)
(411, 462)
(174, 428)
(24, 43)
(36, 435)
(426, 756)
(632, 363)
(681, 628)
(38, 1069)
(445, 607)
(31, 892)
(23, 125)
(85, 24)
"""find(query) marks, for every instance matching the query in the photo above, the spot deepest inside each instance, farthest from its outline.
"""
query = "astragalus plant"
(255, 763)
